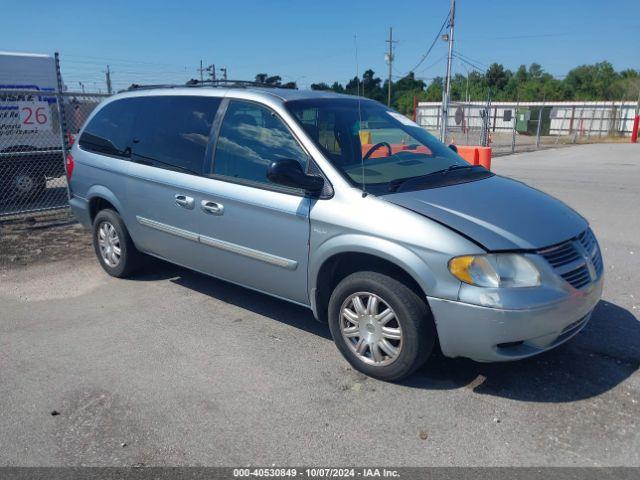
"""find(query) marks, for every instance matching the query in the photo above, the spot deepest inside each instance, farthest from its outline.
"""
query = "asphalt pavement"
(175, 368)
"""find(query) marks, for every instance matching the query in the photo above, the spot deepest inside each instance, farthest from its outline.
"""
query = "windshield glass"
(371, 144)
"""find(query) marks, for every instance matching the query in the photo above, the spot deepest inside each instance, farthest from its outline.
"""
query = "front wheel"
(381, 326)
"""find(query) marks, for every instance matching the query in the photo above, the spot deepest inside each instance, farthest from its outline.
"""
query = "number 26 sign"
(34, 116)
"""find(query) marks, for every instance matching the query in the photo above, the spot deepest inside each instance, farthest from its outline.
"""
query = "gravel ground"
(174, 368)
(42, 238)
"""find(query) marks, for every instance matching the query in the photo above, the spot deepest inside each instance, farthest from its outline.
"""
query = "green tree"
(521, 74)
(404, 91)
(337, 87)
(599, 81)
(369, 86)
(434, 90)
(593, 82)
(497, 77)
(320, 86)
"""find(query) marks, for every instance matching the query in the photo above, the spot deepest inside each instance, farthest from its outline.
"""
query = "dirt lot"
(42, 238)
(174, 368)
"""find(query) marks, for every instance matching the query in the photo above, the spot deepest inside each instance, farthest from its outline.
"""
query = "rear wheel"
(113, 246)
(381, 326)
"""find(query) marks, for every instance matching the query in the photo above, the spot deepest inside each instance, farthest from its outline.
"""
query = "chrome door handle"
(184, 201)
(212, 207)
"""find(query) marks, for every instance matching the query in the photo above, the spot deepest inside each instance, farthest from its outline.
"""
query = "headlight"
(495, 270)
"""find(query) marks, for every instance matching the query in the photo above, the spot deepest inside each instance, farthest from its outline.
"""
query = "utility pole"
(389, 59)
(447, 82)
(108, 78)
(108, 75)
(224, 73)
(211, 70)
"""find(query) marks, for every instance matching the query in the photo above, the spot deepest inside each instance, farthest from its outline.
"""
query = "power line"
(435, 40)
(535, 35)
(468, 62)
(116, 60)
(468, 58)
(433, 64)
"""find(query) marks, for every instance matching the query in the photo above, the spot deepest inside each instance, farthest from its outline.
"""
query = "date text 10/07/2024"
(316, 472)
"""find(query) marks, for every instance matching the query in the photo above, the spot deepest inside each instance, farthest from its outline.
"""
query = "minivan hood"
(497, 212)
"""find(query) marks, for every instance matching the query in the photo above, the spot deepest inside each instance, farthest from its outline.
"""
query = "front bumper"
(489, 334)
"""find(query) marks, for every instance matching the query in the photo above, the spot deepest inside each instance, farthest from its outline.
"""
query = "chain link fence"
(510, 127)
(36, 129)
(33, 133)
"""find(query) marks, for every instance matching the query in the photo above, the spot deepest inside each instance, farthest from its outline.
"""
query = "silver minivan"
(342, 205)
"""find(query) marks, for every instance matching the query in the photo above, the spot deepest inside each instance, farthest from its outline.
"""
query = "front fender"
(385, 249)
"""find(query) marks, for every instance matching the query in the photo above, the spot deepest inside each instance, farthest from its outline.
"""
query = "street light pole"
(466, 94)
(447, 83)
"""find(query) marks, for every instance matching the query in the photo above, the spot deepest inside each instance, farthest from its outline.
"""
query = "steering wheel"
(376, 147)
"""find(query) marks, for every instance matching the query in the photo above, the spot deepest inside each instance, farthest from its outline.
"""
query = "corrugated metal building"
(558, 118)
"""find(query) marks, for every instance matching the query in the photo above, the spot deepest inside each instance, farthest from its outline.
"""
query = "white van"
(30, 141)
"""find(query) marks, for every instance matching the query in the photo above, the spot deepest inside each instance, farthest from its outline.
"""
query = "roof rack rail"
(214, 83)
(237, 83)
(136, 86)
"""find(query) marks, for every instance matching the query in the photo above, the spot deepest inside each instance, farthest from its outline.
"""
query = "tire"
(109, 227)
(28, 186)
(411, 329)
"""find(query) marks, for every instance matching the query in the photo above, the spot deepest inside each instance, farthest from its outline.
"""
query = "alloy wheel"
(109, 244)
(371, 328)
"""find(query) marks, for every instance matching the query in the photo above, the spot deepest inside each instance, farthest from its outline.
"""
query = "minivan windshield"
(380, 149)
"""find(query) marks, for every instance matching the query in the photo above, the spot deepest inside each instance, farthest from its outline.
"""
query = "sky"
(147, 41)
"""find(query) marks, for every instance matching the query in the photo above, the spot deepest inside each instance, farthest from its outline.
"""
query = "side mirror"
(453, 147)
(290, 174)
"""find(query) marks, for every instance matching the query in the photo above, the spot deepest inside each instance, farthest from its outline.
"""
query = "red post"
(634, 133)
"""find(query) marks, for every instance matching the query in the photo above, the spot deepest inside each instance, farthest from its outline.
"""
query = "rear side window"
(251, 137)
(173, 132)
(110, 130)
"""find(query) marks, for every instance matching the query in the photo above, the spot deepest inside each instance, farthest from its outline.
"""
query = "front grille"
(578, 261)
(562, 255)
(590, 244)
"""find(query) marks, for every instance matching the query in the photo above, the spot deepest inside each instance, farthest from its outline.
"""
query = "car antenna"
(355, 41)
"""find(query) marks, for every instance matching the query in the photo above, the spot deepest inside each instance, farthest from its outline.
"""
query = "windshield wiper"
(453, 167)
(394, 185)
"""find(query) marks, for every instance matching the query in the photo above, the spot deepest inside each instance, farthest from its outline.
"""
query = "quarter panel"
(99, 176)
